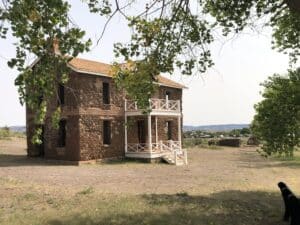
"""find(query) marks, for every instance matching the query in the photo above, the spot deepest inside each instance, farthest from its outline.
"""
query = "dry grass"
(225, 186)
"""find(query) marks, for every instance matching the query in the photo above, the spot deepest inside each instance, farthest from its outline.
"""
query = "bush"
(213, 142)
(232, 142)
(253, 141)
(4, 133)
(191, 142)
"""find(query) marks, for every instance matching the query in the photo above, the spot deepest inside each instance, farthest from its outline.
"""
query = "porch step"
(169, 158)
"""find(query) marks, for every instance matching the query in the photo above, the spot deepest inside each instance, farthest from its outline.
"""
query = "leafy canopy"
(166, 35)
(277, 119)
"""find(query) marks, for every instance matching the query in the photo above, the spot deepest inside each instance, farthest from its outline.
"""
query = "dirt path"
(209, 171)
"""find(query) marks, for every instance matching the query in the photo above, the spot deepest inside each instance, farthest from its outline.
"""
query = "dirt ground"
(209, 171)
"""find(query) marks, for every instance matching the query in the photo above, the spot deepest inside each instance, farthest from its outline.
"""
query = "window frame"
(62, 133)
(61, 94)
(106, 129)
(106, 93)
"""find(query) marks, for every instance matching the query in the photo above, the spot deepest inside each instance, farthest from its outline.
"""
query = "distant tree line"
(244, 132)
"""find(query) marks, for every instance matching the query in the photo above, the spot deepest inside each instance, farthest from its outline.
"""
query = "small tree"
(277, 119)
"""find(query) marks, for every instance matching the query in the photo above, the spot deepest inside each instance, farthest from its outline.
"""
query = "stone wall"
(91, 137)
(84, 113)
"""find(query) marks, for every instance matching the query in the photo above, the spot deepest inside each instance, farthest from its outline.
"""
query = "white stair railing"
(168, 148)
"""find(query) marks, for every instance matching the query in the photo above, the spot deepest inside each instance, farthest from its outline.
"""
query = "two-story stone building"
(98, 122)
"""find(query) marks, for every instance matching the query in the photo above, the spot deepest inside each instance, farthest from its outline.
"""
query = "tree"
(277, 119)
(165, 35)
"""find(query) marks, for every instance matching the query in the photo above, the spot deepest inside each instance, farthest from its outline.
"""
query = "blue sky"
(224, 94)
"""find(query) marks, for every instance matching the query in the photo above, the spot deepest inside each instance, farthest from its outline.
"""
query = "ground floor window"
(62, 133)
(106, 132)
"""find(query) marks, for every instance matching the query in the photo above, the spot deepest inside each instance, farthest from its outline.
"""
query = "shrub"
(4, 133)
(253, 141)
(191, 142)
(213, 142)
(232, 142)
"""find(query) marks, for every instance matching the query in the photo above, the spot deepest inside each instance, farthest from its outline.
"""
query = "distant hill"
(215, 128)
(20, 129)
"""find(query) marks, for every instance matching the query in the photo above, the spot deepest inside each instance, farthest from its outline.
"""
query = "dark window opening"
(106, 97)
(41, 98)
(106, 132)
(169, 130)
(62, 133)
(141, 131)
(61, 94)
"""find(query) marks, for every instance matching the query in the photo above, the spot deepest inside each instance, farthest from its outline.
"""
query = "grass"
(199, 143)
(289, 160)
(38, 206)
(6, 134)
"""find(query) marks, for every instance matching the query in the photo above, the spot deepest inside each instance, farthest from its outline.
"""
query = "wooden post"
(167, 102)
(179, 130)
(149, 133)
(175, 154)
(156, 135)
(125, 127)
(185, 157)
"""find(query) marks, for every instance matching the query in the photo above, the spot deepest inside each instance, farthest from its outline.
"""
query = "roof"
(103, 69)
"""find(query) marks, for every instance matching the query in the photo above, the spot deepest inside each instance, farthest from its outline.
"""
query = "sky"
(225, 94)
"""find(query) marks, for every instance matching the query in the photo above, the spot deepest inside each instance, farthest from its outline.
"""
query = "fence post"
(160, 144)
(185, 157)
(175, 156)
(135, 105)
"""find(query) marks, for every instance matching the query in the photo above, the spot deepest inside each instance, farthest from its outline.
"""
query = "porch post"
(125, 127)
(179, 129)
(156, 136)
(149, 133)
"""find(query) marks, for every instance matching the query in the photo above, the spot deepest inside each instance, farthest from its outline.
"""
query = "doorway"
(141, 131)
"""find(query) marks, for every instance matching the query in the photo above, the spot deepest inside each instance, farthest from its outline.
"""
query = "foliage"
(166, 35)
(38, 25)
(277, 119)
(6, 133)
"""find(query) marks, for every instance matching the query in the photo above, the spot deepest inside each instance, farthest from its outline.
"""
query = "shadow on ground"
(229, 207)
(11, 160)
(252, 160)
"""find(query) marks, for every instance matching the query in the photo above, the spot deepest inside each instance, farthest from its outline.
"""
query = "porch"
(156, 134)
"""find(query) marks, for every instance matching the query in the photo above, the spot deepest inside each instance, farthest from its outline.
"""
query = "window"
(169, 130)
(106, 132)
(106, 97)
(62, 133)
(61, 94)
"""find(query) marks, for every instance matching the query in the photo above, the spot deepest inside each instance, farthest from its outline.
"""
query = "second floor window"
(61, 94)
(106, 95)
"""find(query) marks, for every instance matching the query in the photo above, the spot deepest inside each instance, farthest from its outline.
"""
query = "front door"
(141, 131)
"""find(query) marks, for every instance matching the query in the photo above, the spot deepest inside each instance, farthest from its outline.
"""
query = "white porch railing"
(167, 147)
(161, 146)
(155, 105)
